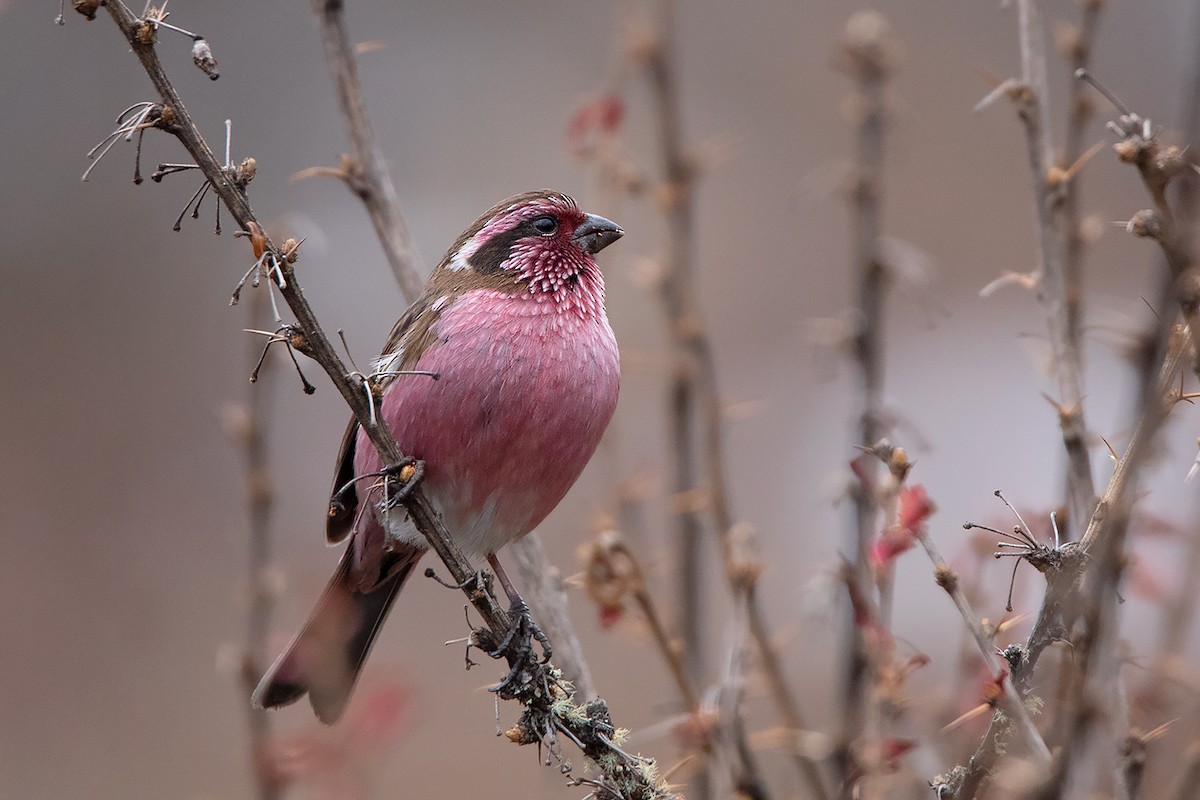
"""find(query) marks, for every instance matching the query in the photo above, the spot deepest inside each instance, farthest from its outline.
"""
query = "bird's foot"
(517, 649)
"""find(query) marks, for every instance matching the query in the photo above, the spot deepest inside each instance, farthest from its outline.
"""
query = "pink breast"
(527, 388)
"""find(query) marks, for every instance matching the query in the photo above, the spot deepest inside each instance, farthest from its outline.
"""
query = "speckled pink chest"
(529, 382)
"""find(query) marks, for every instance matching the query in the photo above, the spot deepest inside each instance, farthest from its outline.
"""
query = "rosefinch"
(512, 324)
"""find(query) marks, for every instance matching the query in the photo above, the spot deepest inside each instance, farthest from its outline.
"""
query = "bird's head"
(537, 242)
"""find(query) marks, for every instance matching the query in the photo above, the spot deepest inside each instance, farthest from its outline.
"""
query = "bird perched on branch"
(501, 378)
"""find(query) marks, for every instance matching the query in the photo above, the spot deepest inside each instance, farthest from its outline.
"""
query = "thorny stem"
(1102, 542)
(1010, 702)
(363, 170)
(668, 648)
(1052, 293)
(1080, 112)
(865, 53)
(1181, 609)
(694, 391)
(676, 293)
(679, 303)
(1098, 556)
(630, 775)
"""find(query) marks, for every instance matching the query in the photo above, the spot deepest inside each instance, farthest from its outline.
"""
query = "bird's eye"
(547, 226)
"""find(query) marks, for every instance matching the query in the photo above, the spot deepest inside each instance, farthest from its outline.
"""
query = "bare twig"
(1158, 167)
(696, 409)
(866, 55)
(1077, 46)
(1032, 100)
(687, 342)
(591, 726)
(363, 169)
(1009, 701)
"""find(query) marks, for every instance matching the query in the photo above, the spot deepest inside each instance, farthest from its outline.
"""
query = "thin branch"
(1010, 701)
(590, 726)
(1077, 47)
(696, 409)
(677, 295)
(363, 170)
(1032, 99)
(866, 56)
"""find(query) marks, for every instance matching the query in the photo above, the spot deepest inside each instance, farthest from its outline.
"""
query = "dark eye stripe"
(492, 254)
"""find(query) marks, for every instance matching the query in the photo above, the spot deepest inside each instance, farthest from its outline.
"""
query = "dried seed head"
(611, 574)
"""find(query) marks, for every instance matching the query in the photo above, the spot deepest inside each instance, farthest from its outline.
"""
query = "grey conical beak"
(596, 233)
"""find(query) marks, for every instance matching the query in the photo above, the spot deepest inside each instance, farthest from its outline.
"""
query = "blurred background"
(123, 571)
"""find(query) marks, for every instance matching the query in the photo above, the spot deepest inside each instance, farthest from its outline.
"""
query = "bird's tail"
(325, 658)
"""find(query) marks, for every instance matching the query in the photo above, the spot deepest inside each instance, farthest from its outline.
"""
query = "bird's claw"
(517, 648)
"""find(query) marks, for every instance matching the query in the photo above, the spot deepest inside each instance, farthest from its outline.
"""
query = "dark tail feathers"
(326, 656)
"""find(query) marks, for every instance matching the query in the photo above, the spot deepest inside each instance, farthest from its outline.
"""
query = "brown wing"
(343, 503)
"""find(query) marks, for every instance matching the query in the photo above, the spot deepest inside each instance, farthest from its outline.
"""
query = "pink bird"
(522, 379)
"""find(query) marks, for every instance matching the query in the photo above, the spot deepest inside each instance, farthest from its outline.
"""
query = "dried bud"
(1056, 176)
(202, 57)
(87, 7)
(1127, 151)
(291, 250)
(945, 577)
(1071, 43)
(519, 735)
(146, 33)
(1144, 223)
(744, 554)
(868, 47)
(1170, 162)
(298, 341)
(899, 465)
(246, 171)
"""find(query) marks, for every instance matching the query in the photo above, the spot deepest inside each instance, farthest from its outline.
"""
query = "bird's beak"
(596, 233)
